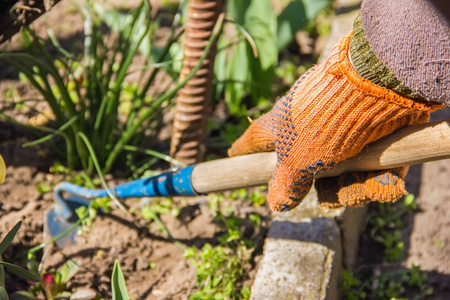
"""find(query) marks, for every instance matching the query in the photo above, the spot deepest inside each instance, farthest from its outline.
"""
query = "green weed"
(76, 177)
(161, 206)
(53, 284)
(385, 226)
(87, 214)
(153, 211)
(221, 268)
(218, 270)
(257, 195)
(389, 285)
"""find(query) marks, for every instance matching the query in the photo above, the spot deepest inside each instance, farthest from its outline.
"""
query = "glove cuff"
(369, 88)
(368, 66)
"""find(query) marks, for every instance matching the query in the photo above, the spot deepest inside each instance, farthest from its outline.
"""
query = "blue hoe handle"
(167, 184)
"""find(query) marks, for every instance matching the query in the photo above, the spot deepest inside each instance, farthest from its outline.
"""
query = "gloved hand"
(359, 188)
(327, 116)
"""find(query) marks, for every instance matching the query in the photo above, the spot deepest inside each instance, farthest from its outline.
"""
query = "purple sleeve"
(412, 38)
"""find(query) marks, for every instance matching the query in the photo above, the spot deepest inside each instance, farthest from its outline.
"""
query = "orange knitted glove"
(328, 115)
(359, 188)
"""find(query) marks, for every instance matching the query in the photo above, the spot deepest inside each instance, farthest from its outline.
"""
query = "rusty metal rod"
(193, 101)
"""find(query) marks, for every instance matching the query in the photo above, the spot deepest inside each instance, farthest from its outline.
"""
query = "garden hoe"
(411, 145)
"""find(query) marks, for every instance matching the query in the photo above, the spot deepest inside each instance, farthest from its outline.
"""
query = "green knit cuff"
(368, 66)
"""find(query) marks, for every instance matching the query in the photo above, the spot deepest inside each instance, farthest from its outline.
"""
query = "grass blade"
(119, 289)
(70, 148)
(99, 171)
(9, 237)
(57, 45)
(21, 272)
(155, 154)
(247, 36)
(2, 274)
(48, 137)
(48, 94)
(50, 68)
(3, 293)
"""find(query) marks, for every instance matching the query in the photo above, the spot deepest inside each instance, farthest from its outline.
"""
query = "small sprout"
(410, 201)
(439, 243)
(44, 187)
(255, 218)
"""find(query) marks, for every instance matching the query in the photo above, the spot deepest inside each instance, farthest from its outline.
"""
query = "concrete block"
(302, 255)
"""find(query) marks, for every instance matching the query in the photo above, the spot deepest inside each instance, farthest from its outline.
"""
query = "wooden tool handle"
(408, 146)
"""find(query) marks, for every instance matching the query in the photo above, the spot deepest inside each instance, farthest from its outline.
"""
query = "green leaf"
(119, 289)
(9, 237)
(2, 273)
(190, 252)
(258, 19)
(261, 23)
(22, 295)
(176, 54)
(409, 199)
(3, 293)
(21, 272)
(216, 281)
(69, 269)
(63, 295)
(237, 73)
(247, 74)
(265, 41)
(123, 22)
(296, 16)
(246, 292)
(33, 266)
(83, 294)
(220, 63)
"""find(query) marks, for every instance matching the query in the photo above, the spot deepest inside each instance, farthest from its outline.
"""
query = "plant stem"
(158, 221)
(155, 154)
(99, 171)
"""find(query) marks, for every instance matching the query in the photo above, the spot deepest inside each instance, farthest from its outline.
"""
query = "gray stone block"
(301, 261)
